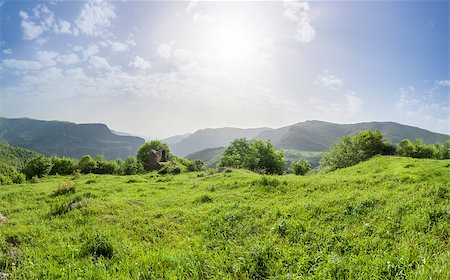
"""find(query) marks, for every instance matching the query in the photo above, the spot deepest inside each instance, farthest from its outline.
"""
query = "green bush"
(258, 156)
(62, 166)
(38, 166)
(349, 151)
(143, 153)
(97, 246)
(87, 164)
(104, 166)
(301, 167)
(131, 166)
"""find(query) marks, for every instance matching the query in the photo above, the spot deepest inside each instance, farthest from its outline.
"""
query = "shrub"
(62, 166)
(301, 167)
(87, 164)
(66, 187)
(38, 166)
(98, 245)
(196, 165)
(143, 153)
(104, 166)
(259, 156)
(170, 168)
(131, 166)
(349, 151)
(5, 180)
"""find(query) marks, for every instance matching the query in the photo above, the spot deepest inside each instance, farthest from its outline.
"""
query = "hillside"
(14, 156)
(67, 139)
(306, 138)
(212, 138)
(386, 218)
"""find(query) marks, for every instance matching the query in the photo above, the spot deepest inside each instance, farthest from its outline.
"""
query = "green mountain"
(14, 156)
(212, 138)
(305, 139)
(67, 139)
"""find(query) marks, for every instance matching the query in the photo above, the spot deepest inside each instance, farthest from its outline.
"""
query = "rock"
(4, 276)
(2, 220)
(153, 160)
(200, 175)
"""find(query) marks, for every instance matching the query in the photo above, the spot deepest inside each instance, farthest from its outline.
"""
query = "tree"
(38, 166)
(87, 164)
(62, 166)
(349, 151)
(257, 156)
(406, 148)
(143, 153)
(301, 167)
(131, 166)
(268, 160)
(239, 154)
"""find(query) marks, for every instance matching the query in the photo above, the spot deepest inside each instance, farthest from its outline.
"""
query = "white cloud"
(99, 62)
(422, 105)
(46, 58)
(117, 46)
(30, 30)
(42, 20)
(68, 59)
(7, 51)
(192, 5)
(96, 18)
(354, 103)
(140, 63)
(63, 27)
(23, 65)
(87, 52)
(298, 12)
(165, 50)
(328, 80)
(443, 83)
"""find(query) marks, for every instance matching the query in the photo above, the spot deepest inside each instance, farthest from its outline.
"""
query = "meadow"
(386, 218)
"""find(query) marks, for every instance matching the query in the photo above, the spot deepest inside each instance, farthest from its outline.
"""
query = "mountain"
(14, 156)
(67, 139)
(306, 139)
(176, 139)
(212, 138)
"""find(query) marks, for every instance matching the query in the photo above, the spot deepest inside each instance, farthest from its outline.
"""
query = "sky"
(161, 68)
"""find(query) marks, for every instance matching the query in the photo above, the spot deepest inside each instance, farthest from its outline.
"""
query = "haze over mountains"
(314, 135)
(67, 139)
(307, 139)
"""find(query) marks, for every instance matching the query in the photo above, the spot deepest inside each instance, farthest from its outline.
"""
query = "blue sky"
(162, 68)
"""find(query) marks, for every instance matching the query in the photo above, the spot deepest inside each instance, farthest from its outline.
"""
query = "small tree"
(349, 151)
(38, 166)
(62, 166)
(301, 167)
(87, 164)
(143, 153)
(131, 166)
(268, 159)
(239, 154)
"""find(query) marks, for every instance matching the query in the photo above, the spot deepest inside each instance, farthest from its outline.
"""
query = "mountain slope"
(67, 139)
(212, 138)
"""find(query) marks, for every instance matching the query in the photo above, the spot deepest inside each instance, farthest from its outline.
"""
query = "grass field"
(388, 218)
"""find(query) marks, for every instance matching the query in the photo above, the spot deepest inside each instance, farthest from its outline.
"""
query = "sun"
(233, 43)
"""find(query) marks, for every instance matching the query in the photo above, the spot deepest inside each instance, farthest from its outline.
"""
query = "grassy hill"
(386, 218)
(67, 139)
(14, 156)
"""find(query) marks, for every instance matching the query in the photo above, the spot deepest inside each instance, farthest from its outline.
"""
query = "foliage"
(239, 154)
(15, 156)
(301, 167)
(38, 166)
(131, 166)
(418, 149)
(268, 161)
(143, 153)
(385, 218)
(104, 166)
(350, 150)
(87, 164)
(259, 156)
(171, 167)
(62, 166)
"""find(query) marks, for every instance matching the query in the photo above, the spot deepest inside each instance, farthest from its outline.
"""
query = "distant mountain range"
(67, 139)
(305, 139)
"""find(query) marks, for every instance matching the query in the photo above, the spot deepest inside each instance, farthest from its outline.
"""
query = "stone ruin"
(155, 157)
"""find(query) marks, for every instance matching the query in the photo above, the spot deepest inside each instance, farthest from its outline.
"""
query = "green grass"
(388, 218)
